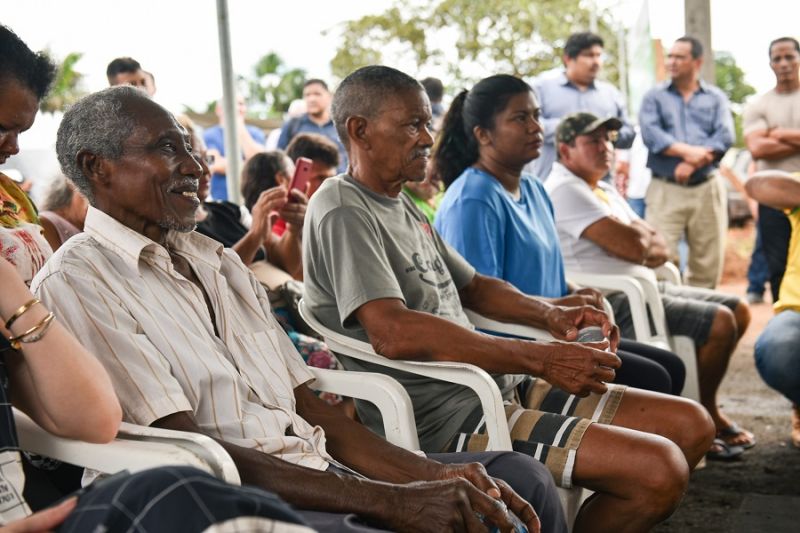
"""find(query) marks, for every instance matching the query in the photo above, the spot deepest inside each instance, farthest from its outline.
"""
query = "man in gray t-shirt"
(376, 271)
(397, 254)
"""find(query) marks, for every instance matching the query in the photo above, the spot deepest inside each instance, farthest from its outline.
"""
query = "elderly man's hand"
(564, 322)
(453, 500)
(582, 296)
(580, 368)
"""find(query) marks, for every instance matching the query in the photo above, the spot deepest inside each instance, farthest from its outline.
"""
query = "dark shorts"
(690, 311)
(546, 423)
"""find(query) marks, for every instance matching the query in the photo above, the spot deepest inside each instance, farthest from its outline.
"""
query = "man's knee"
(533, 482)
(778, 359)
(662, 486)
(724, 327)
(527, 476)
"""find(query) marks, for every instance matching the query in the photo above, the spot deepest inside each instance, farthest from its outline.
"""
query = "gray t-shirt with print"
(359, 246)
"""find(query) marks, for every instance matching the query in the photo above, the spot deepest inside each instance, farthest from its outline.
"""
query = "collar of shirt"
(702, 87)
(564, 80)
(307, 119)
(130, 245)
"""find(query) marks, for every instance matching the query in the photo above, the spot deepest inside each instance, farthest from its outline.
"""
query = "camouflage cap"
(583, 123)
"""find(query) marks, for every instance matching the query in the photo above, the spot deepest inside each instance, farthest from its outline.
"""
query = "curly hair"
(18, 62)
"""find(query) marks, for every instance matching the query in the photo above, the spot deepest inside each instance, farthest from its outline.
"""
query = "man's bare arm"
(762, 146)
(397, 332)
(443, 505)
(786, 135)
(696, 156)
(774, 188)
(626, 241)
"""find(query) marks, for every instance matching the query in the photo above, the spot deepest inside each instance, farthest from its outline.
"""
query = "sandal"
(734, 435)
(722, 451)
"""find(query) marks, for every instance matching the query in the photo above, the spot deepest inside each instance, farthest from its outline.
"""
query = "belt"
(670, 179)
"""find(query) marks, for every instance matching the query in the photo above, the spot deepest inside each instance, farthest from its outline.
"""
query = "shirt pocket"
(704, 116)
(264, 370)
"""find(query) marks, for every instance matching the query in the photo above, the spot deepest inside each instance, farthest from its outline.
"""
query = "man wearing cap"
(599, 233)
(687, 126)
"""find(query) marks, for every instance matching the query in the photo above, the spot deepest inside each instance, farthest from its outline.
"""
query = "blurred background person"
(63, 210)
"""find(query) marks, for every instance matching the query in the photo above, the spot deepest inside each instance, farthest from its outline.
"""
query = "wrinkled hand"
(498, 489)
(265, 210)
(45, 520)
(592, 297)
(580, 368)
(683, 172)
(294, 210)
(581, 297)
(564, 323)
(453, 503)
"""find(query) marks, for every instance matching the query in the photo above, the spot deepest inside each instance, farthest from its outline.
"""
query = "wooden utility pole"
(697, 21)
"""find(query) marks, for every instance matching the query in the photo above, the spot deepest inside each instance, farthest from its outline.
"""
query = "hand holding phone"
(302, 173)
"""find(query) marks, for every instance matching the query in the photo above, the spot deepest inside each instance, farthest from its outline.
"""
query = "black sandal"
(724, 451)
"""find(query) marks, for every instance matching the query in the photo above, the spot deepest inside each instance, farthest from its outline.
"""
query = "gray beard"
(174, 225)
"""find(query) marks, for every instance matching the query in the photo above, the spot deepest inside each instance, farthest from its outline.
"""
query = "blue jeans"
(638, 205)
(777, 354)
(758, 271)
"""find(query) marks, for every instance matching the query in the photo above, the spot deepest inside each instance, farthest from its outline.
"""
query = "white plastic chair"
(463, 374)
(138, 448)
(135, 448)
(642, 293)
(385, 392)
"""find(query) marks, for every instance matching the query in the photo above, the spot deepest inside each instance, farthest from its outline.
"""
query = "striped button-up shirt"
(118, 293)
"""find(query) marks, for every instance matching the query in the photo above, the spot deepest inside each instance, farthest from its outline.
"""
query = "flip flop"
(724, 451)
(732, 432)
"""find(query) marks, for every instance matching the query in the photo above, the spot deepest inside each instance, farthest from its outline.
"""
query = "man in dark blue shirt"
(317, 119)
(687, 127)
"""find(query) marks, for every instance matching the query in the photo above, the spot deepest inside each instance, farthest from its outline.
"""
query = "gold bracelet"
(34, 334)
(21, 311)
(33, 337)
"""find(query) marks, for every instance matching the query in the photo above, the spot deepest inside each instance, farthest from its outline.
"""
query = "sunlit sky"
(177, 39)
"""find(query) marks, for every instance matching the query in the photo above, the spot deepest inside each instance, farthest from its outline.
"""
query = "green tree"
(730, 78)
(67, 88)
(514, 36)
(273, 84)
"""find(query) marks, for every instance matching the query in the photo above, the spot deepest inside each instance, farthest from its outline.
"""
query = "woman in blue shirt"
(502, 222)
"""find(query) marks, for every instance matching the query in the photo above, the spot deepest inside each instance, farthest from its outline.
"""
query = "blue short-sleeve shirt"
(514, 240)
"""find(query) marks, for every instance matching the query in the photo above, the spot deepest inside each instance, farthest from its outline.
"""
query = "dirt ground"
(760, 492)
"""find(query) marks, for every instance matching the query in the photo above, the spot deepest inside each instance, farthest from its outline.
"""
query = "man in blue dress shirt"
(687, 127)
(576, 88)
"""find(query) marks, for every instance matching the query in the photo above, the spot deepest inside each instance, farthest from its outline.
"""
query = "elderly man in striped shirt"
(185, 332)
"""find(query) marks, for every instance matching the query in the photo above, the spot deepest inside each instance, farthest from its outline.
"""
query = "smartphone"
(302, 172)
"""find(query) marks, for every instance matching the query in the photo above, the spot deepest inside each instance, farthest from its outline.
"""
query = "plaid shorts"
(546, 423)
